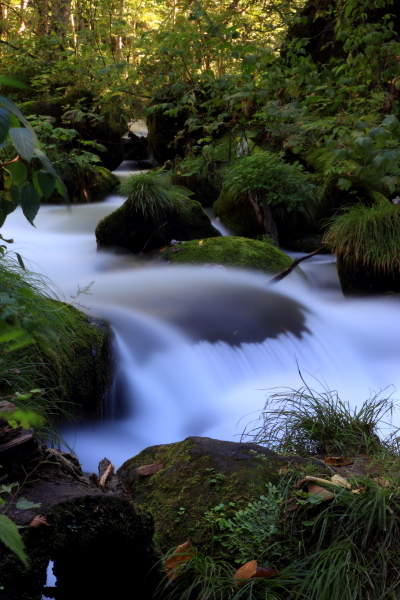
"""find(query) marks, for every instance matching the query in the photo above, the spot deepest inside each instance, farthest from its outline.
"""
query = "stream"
(198, 348)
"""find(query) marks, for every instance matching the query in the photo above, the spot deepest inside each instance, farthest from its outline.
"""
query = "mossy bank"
(230, 251)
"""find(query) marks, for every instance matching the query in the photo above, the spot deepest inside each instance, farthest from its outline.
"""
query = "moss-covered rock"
(80, 364)
(127, 228)
(86, 185)
(195, 476)
(238, 215)
(162, 130)
(231, 251)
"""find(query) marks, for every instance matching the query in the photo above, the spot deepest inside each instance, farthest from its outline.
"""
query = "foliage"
(308, 422)
(270, 180)
(23, 142)
(152, 194)
(246, 535)
(367, 236)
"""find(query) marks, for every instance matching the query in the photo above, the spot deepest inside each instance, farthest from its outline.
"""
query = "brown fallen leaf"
(176, 562)
(317, 490)
(292, 504)
(283, 471)
(39, 520)
(338, 461)
(382, 481)
(265, 572)
(149, 469)
(109, 472)
(246, 571)
(358, 490)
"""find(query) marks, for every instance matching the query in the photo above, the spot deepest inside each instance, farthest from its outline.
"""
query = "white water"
(174, 379)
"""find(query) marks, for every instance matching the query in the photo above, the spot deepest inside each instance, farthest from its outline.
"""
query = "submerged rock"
(195, 476)
(231, 251)
(128, 228)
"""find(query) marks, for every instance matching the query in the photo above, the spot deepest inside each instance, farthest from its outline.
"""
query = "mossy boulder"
(230, 251)
(86, 185)
(238, 215)
(162, 131)
(128, 228)
(195, 476)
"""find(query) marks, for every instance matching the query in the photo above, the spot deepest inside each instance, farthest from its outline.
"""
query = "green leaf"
(44, 183)
(10, 82)
(25, 504)
(5, 123)
(391, 122)
(18, 172)
(46, 162)
(20, 261)
(61, 189)
(30, 202)
(23, 141)
(344, 184)
(11, 537)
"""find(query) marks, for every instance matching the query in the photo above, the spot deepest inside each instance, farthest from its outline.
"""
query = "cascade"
(197, 348)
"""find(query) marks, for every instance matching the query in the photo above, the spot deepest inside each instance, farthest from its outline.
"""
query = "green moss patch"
(231, 251)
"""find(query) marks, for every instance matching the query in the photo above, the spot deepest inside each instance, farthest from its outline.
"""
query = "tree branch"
(294, 264)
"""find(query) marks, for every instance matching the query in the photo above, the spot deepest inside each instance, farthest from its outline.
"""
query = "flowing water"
(198, 347)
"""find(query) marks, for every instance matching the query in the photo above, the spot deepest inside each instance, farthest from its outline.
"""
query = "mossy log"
(127, 228)
(99, 542)
(230, 251)
(196, 475)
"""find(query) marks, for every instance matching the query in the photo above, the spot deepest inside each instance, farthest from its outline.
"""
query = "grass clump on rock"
(366, 242)
(231, 251)
(155, 212)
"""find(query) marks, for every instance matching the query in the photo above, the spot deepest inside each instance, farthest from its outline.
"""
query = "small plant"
(309, 422)
(246, 535)
(153, 195)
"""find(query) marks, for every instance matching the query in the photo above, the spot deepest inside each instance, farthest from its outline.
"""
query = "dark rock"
(128, 229)
(198, 474)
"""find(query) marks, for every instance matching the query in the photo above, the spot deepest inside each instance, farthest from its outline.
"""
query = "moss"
(80, 365)
(129, 229)
(237, 215)
(87, 184)
(197, 475)
(231, 251)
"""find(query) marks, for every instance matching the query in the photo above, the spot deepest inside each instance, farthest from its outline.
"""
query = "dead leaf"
(382, 481)
(265, 572)
(39, 520)
(341, 481)
(162, 249)
(358, 490)
(175, 563)
(201, 242)
(283, 471)
(109, 472)
(338, 461)
(324, 482)
(149, 469)
(246, 571)
(292, 504)
(317, 490)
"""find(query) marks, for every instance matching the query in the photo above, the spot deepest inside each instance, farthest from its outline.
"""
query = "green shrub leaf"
(11, 537)
(4, 123)
(23, 141)
(30, 202)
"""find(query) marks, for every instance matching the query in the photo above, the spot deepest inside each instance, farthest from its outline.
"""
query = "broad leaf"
(10, 82)
(18, 172)
(25, 504)
(61, 189)
(44, 183)
(30, 202)
(11, 537)
(23, 141)
(46, 162)
(4, 123)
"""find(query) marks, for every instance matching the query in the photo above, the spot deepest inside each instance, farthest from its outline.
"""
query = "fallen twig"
(294, 264)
